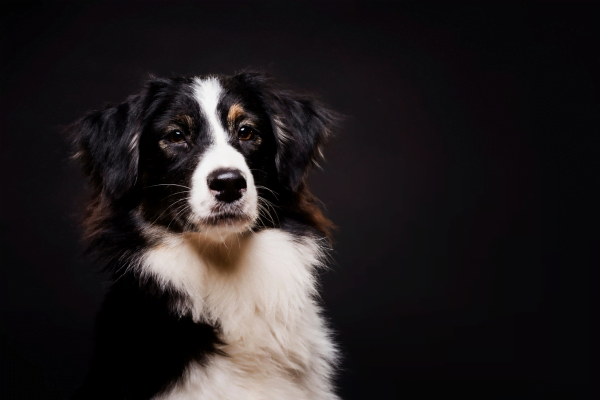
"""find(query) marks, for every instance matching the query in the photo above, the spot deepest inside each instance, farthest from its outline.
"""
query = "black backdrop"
(452, 249)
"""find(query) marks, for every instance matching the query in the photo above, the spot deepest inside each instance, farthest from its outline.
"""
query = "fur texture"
(201, 215)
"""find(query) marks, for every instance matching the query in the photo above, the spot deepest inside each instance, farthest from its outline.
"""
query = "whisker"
(166, 209)
(185, 207)
(268, 213)
(266, 188)
(261, 212)
(267, 203)
(168, 184)
(173, 194)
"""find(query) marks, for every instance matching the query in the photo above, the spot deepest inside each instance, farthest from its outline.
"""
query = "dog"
(201, 215)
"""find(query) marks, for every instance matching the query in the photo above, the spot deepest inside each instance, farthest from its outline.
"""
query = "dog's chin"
(218, 227)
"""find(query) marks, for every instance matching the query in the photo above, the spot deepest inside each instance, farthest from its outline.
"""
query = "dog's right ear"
(106, 143)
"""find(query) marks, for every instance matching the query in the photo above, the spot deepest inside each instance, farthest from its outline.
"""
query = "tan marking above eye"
(185, 120)
(235, 111)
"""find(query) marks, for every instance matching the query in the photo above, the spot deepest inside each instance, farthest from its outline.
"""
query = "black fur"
(143, 345)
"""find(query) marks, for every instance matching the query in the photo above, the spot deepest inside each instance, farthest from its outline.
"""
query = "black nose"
(229, 184)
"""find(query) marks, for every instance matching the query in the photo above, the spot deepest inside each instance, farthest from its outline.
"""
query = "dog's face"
(204, 155)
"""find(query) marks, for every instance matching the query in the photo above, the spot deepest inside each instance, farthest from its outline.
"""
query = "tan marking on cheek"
(163, 145)
(166, 148)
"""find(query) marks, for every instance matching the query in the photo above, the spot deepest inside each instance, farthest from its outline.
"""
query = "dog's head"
(205, 154)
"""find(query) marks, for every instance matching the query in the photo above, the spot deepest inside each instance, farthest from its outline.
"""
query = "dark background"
(456, 180)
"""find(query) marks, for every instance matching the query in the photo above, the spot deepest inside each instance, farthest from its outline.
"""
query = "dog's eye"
(246, 133)
(176, 137)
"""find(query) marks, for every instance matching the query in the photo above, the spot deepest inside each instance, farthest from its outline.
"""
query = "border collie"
(201, 215)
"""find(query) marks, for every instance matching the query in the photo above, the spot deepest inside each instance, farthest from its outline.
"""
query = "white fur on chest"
(260, 291)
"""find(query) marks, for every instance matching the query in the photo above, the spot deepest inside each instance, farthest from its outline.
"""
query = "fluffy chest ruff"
(259, 291)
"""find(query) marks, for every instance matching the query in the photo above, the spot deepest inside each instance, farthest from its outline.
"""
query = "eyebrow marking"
(184, 119)
(181, 121)
(236, 111)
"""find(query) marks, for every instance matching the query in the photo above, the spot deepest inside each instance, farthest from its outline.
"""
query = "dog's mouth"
(219, 226)
(227, 218)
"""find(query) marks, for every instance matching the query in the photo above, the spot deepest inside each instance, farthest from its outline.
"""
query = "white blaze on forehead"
(208, 93)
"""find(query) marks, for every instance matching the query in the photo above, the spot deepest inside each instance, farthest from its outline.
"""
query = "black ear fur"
(301, 126)
(107, 145)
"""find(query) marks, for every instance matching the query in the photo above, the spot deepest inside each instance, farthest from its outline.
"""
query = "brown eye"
(176, 137)
(246, 133)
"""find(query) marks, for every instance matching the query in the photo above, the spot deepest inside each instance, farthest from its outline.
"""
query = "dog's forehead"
(220, 103)
(209, 107)
(215, 94)
(208, 93)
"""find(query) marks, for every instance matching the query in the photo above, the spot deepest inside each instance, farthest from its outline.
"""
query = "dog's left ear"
(302, 127)
(107, 145)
